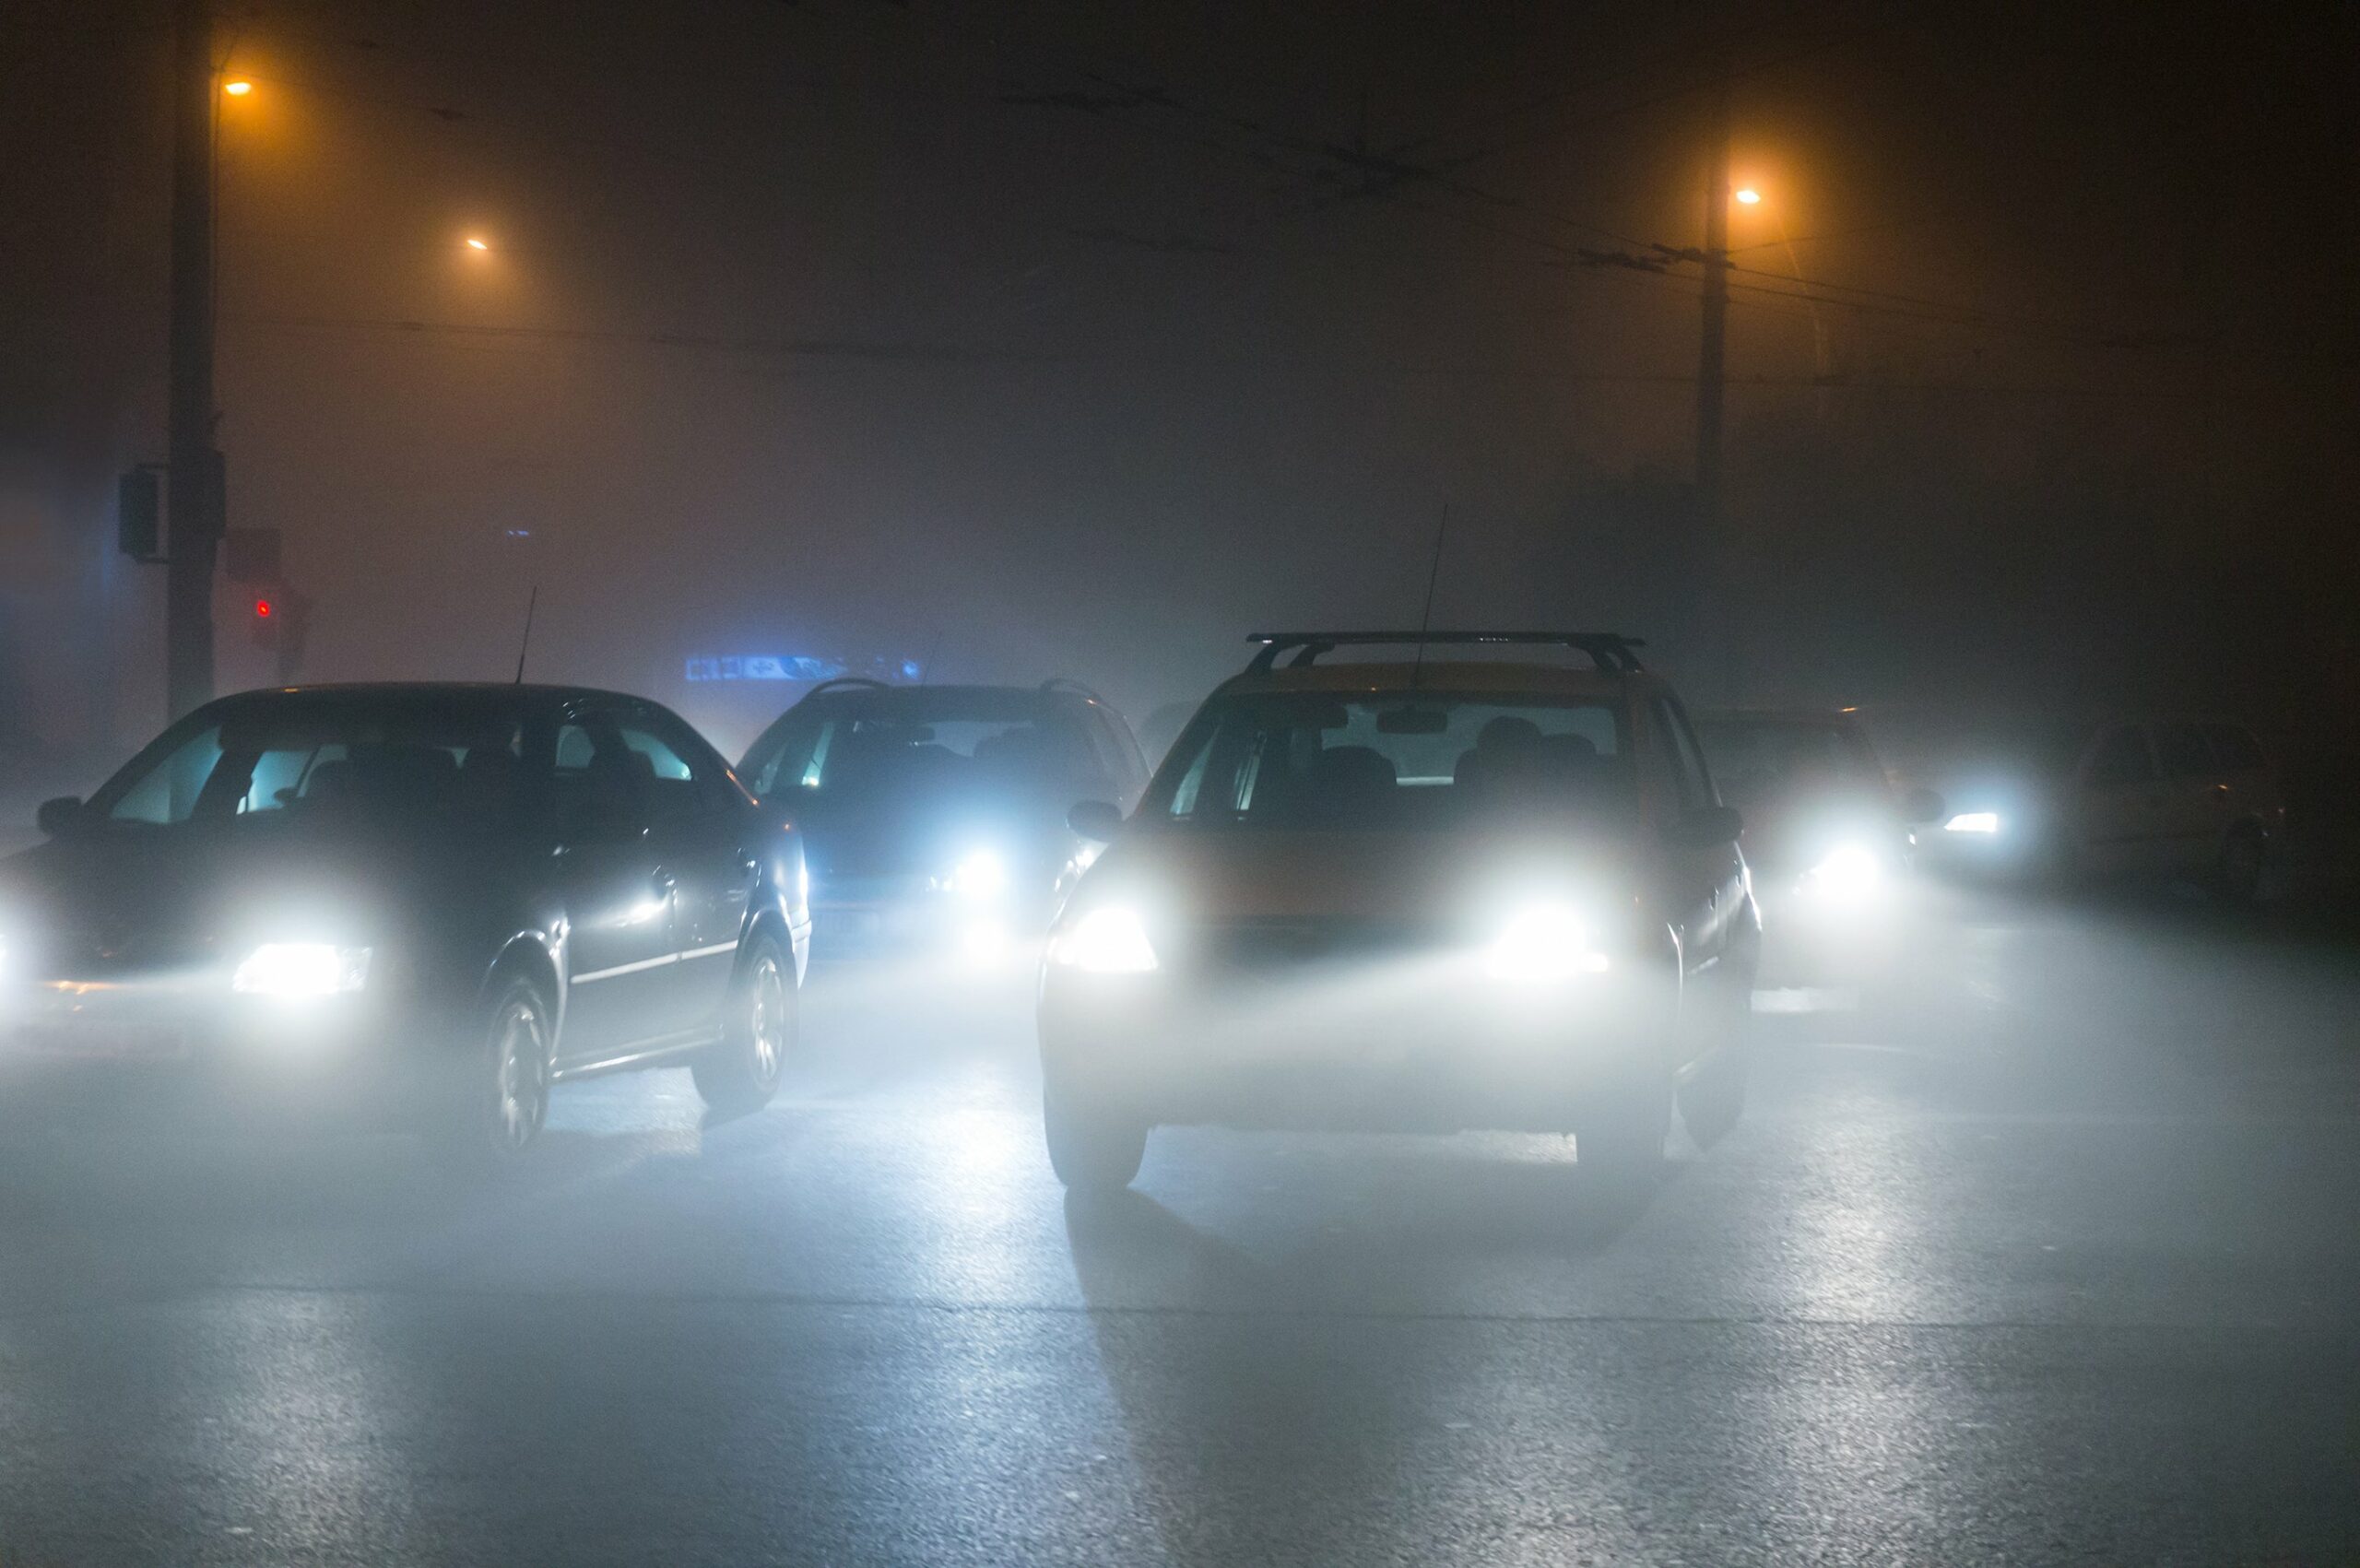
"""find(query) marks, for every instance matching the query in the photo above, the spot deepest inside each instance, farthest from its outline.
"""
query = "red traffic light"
(264, 609)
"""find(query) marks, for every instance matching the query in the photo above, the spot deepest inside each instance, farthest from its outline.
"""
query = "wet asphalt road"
(2037, 1245)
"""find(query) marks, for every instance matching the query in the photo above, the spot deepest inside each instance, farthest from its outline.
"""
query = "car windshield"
(1757, 759)
(1399, 759)
(323, 759)
(916, 741)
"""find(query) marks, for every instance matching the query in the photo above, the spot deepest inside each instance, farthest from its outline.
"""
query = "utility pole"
(196, 489)
(1711, 354)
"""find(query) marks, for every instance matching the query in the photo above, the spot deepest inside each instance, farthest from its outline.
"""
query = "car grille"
(1281, 945)
(102, 956)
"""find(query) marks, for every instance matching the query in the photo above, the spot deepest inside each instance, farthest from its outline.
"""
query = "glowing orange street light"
(1747, 196)
(476, 244)
(238, 88)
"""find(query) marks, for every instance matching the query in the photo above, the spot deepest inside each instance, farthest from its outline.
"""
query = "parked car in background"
(2178, 796)
(418, 906)
(1822, 821)
(933, 817)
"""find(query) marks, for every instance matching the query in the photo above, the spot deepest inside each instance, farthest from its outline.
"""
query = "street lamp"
(1750, 196)
(474, 243)
(238, 87)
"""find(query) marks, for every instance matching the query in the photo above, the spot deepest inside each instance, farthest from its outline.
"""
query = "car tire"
(1093, 1146)
(1619, 1135)
(2243, 863)
(741, 1072)
(502, 1096)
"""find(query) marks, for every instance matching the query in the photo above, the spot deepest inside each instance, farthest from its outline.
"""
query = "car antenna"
(1426, 616)
(531, 600)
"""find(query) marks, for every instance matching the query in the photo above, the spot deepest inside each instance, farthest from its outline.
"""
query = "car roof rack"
(839, 682)
(1609, 651)
(1063, 683)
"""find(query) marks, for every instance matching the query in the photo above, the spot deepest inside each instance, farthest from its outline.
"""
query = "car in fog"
(2190, 797)
(1418, 895)
(1823, 821)
(933, 817)
(417, 905)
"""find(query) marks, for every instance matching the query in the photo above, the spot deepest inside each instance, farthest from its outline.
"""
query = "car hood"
(193, 895)
(1216, 876)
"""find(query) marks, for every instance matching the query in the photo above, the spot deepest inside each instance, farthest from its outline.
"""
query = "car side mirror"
(1097, 821)
(1707, 826)
(1922, 805)
(62, 817)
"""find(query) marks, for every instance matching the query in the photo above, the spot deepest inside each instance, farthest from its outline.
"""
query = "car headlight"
(1110, 940)
(1544, 942)
(301, 969)
(982, 874)
(1848, 870)
(1973, 822)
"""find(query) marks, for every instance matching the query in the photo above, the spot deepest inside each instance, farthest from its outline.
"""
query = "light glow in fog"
(1847, 871)
(1973, 822)
(983, 875)
(300, 969)
(1107, 940)
(1541, 943)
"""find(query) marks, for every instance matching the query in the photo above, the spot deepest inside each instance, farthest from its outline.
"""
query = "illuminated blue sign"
(791, 667)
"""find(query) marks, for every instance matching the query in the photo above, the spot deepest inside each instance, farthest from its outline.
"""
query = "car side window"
(168, 791)
(683, 783)
(1115, 763)
(2234, 749)
(2122, 759)
(796, 758)
(1130, 764)
(2182, 752)
(1682, 764)
(600, 786)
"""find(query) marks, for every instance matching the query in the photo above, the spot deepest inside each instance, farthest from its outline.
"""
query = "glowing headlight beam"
(1848, 870)
(300, 969)
(1543, 943)
(1973, 822)
(982, 874)
(1110, 940)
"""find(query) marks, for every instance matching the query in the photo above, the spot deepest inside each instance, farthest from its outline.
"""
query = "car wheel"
(2245, 858)
(504, 1089)
(741, 1073)
(1619, 1136)
(1092, 1146)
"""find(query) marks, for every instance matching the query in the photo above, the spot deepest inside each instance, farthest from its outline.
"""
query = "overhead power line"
(958, 355)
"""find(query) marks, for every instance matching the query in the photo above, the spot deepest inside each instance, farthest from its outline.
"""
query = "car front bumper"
(1397, 1052)
(163, 1053)
(911, 916)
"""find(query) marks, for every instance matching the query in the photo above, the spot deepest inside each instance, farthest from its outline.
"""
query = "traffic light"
(277, 617)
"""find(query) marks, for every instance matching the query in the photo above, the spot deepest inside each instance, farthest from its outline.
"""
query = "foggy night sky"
(797, 335)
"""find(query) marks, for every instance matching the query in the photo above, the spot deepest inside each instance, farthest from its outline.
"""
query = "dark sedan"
(1824, 828)
(937, 814)
(415, 904)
